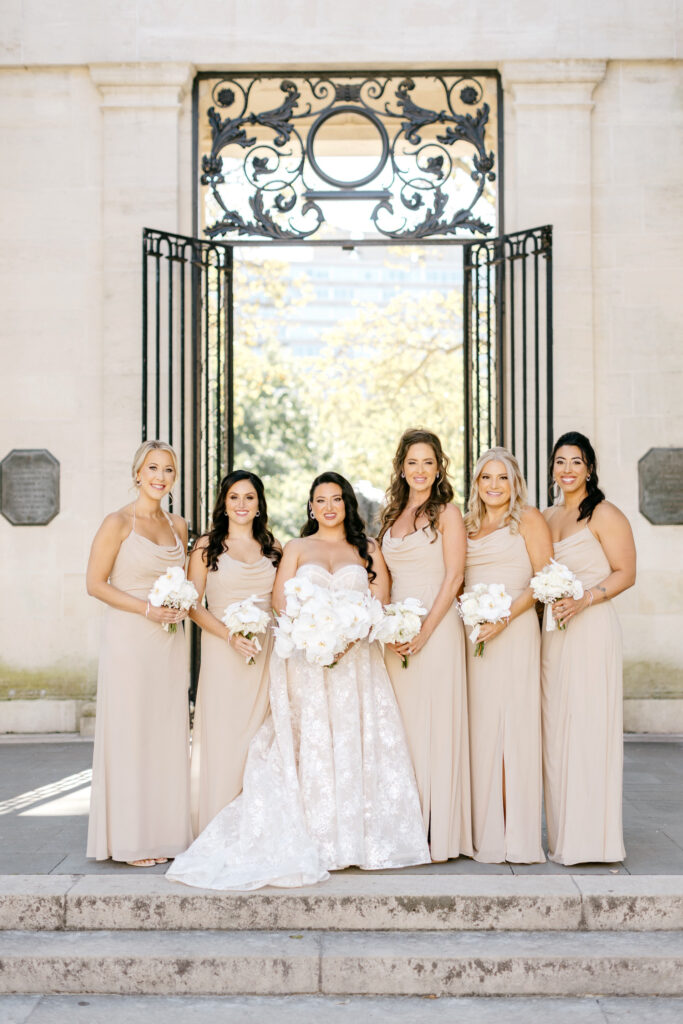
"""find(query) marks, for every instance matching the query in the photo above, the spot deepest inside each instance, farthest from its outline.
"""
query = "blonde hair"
(152, 446)
(474, 515)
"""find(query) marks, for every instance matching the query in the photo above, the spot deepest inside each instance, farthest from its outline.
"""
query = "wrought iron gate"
(187, 356)
(508, 352)
(187, 362)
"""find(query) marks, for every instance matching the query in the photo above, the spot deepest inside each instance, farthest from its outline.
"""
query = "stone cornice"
(142, 85)
(552, 82)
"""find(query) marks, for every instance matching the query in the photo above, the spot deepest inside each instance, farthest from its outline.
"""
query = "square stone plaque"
(29, 487)
(660, 486)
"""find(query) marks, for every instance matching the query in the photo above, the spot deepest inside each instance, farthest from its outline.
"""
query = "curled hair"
(594, 495)
(220, 523)
(474, 516)
(354, 527)
(152, 446)
(398, 491)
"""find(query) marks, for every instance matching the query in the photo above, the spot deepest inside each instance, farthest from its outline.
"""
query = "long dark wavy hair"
(398, 491)
(593, 493)
(354, 527)
(220, 524)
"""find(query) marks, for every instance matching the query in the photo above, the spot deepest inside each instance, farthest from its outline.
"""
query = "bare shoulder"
(118, 524)
(373, 545)
(532, 519)
(277, 546)
(608, 516)
(450, 515)
(549, 513)
(202, 543)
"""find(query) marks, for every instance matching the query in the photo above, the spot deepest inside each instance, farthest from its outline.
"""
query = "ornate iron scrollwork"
(419, 180)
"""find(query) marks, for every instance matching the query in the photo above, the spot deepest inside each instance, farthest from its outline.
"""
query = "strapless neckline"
(317, 565)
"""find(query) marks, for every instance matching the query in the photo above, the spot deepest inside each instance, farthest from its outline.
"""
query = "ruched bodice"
(346, 577)
(140, 562)
(583, 554)
(234, 581)
(499, 557)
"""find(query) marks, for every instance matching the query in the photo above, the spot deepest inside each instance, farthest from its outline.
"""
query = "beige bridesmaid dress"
(140, 800)
(583, 742)
(432, 697)
(504, 695)
(232, 697)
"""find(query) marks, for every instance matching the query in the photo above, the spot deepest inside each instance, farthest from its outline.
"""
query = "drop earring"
(256, 515)
(310, 512)
(588, 478)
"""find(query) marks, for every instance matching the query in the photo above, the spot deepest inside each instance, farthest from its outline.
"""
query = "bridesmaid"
(507, 542)
(423, 542)
(140, 802)
(235, 560)
(582, 666)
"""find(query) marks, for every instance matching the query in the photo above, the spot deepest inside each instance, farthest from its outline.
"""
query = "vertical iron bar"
(206, 372)
(501, 335)
(196, 380)
(489, 377)
(145, 368)
(525, 406)
(511, 335)
(549, 354)
(182, 266)
(157, 344)
(477, 354)
(229, 358)
(220, 353)
(537, 382)
(467, 372)
(170, 345)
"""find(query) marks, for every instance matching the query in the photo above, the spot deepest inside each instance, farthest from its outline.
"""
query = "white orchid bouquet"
(245, 618)
(553, 582)
(400, 624)
(173, 590)
(485, 602)
(323, 623)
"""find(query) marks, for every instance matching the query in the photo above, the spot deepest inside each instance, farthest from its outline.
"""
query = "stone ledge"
(348, 902)
(409, 963)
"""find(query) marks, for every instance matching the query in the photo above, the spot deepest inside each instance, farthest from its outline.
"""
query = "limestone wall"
(96, 129)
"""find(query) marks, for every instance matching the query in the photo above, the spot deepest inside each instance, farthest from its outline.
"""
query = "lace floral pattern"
(328, 780)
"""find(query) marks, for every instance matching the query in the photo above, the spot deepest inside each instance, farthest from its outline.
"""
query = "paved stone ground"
(44, 794)
(333, 1010)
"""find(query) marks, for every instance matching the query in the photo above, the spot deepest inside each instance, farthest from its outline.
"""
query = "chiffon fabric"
(328, 780)
(504, 694)
(140, 800)
(232, 696)
(432, 696)
(583, 720)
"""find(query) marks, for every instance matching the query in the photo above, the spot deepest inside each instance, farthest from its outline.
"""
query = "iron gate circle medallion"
(347, 109)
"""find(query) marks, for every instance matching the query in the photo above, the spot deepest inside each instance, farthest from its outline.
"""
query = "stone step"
(351, 902)
(338, 1009)
(342, 963)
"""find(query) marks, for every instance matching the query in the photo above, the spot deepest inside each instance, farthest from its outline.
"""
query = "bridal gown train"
(328, 780)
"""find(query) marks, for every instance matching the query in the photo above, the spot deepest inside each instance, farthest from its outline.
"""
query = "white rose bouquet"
(322, 623)
(245, 618)
(173, 590)
(485, 602)
(553, 582)
(400, 624)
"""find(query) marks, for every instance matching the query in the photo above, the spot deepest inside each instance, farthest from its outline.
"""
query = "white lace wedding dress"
(328, 780)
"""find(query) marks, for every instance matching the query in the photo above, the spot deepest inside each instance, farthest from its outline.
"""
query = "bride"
(328, 780)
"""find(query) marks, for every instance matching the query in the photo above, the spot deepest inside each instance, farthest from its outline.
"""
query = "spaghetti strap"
(134, 504)
(170, 523)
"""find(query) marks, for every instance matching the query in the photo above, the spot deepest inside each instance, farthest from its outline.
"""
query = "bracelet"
(147, 610)
(589, 594)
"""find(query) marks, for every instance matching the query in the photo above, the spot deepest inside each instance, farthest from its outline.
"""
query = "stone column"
(549, 181)
(140, 105)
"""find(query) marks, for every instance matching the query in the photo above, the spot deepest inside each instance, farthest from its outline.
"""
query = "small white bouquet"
(173, 590)
(245, 618)
(553, 582)
(321, 622)
(485, 602)
(400, 624)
